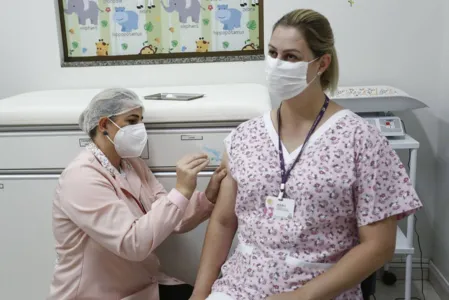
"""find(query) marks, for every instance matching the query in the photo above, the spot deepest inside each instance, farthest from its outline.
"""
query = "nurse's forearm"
(359, 263)
(215, 251)
(198, 211)
(150, 230)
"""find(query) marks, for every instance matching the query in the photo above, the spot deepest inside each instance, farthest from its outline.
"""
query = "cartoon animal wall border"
(103, 32)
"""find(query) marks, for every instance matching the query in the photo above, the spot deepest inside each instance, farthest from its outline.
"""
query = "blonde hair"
(317, 31)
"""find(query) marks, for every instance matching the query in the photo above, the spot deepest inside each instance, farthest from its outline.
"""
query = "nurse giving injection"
(110, 212)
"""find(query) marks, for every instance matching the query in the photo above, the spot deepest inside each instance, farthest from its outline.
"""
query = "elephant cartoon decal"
(129, 20)
(83, 12)
(185, 8)
(231, 18)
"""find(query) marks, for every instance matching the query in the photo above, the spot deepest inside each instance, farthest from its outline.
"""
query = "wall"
(379, 42)
(441, 221)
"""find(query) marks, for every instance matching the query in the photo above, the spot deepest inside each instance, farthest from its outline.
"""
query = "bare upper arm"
(382, 233)
(224, 212)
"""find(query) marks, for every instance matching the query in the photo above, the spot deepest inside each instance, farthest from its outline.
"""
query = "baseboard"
(403, 259)
(439, 283)
(397, 267)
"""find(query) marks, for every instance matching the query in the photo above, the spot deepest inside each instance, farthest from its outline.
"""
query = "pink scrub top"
(348, 177)
(104, 240)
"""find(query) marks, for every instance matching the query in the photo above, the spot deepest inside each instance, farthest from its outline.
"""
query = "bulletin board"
(126, 32)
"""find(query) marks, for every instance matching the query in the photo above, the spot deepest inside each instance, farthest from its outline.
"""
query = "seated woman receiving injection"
(313, 191)
(110, 212)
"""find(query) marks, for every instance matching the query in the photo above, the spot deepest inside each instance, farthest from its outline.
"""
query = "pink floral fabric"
(347, 177)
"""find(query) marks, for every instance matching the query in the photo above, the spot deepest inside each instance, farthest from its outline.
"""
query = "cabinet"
(27, 254)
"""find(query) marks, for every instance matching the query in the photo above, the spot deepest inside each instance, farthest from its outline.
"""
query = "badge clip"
(281, 192)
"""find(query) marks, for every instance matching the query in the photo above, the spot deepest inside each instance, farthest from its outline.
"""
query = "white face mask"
(130, 140)
(286, 79)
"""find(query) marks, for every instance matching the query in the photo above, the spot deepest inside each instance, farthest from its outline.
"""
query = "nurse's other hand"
(187, 170)
(214, 184)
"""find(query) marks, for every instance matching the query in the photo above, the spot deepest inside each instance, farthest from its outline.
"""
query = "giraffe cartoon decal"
(244, 3)
(102, 48)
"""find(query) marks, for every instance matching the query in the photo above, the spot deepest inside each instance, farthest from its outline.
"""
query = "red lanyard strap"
(142, 208)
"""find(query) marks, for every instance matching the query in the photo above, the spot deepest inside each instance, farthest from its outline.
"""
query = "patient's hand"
(214, 184)
(285, 296)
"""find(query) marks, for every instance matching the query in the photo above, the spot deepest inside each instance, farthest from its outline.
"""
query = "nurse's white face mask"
(287, 79)
(130, 140)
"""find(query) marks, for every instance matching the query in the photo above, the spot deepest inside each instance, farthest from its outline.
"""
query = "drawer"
(39, 150)
(55, 150)
(166, 147)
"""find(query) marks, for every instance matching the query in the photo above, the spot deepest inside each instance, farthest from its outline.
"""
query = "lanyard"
(285, 174)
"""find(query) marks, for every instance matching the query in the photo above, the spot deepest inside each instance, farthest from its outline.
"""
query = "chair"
(368, 287)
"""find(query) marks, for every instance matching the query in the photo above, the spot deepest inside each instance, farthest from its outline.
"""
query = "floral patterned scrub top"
(348, 176)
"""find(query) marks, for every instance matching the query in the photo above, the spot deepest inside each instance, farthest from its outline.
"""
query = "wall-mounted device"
(388, 124)
(377, 105)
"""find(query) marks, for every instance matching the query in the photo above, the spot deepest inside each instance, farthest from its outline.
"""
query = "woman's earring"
(319, 74)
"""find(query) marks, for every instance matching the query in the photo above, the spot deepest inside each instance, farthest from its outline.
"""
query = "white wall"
(441, 221)
(379, 42)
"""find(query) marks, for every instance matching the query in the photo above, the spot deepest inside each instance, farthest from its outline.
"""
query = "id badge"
(281, 209)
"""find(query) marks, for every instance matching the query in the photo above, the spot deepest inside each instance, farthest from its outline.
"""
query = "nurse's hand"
(214, 184)
(187, 170)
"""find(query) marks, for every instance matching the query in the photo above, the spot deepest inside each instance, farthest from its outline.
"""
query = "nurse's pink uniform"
(104, 241)
(347, 177)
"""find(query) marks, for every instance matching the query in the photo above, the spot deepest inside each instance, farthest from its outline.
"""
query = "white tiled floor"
(396, 291)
